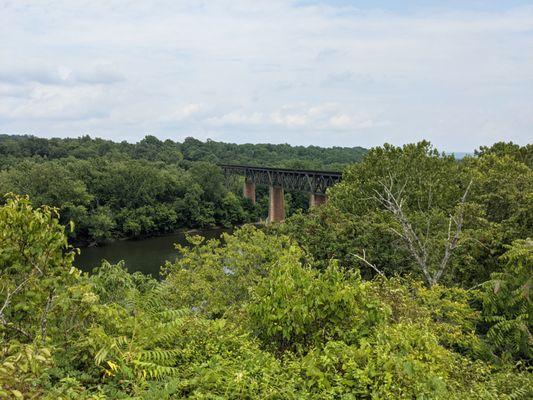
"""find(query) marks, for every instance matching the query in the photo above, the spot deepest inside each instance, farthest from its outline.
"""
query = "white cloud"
(317, 118)
(186, 111)
(341, 121)
(289, 120)
(238, 118)
(267, 71)
(56, 103)
(45, 74)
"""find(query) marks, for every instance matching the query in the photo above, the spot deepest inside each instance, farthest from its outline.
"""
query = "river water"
(144, 255)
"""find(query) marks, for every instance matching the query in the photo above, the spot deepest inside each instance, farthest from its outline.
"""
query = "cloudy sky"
(350, 73)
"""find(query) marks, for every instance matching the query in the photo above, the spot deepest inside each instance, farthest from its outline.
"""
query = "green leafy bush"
(296, 307)
(211, 278)
(507, 304)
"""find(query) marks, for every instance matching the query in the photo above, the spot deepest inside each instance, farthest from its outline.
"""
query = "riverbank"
(109, 241)
(144, 255)
(187, 231)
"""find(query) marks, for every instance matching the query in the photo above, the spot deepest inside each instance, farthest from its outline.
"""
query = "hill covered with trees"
(413, 282)
(168, 151)
(112, 190)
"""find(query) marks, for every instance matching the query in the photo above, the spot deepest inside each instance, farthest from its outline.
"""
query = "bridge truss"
(315, 182)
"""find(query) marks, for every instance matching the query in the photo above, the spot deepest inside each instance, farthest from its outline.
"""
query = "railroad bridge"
(278, 179)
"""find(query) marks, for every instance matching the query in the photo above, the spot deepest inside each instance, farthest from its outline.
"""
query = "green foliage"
(114, 190)
(407, 362)
(327, 232)
(503, 187)
(109, 198)
(507, 384)
(50, 184)
(35, 261)
(211, 278)
(274, 155)
(273, 313)
(522, 154)
(403, 208)
(297, 308)
(413, 193)
(101, 224)
(20, 365)
(507, 303)
(152, 149)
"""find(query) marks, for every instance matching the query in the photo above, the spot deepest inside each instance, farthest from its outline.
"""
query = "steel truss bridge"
(314, 182)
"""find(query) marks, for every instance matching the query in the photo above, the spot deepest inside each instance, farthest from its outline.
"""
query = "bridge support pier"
(316, 199)
(248, 190)
(276, 204)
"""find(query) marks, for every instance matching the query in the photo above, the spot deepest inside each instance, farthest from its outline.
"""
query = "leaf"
(497, 285)
(112, 365)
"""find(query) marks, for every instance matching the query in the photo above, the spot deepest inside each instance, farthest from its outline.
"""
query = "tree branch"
(394, 204)
(9, 295)
(451, 243)
(44, 322)
(418, 248)
(368, 263)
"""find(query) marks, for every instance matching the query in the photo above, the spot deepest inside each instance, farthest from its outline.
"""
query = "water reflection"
(145, 255)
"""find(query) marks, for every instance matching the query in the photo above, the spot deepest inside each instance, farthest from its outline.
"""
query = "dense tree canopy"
(168, 151)
(107, 198)
(413, 282)
(413, 210)
(115, 190)
(256, 318)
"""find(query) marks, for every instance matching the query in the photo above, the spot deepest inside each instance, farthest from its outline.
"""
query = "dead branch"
(9, 295)
(451, 244)
(7, 303)
(44, 322)
(363, 259)
(393, 202)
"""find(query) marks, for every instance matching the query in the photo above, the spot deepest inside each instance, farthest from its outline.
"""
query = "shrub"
(296, 307)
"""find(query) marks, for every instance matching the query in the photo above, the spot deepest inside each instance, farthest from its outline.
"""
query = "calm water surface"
(144, 255)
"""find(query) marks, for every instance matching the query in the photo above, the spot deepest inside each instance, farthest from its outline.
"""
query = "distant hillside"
(153, 149)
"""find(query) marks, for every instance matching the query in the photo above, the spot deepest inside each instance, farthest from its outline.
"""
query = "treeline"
(414, 282)
(151, 148)
(112, 190)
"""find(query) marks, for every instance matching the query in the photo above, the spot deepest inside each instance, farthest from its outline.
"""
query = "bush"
(507, 304)
(296, 307)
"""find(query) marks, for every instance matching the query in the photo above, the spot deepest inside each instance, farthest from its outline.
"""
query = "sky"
(330, 73)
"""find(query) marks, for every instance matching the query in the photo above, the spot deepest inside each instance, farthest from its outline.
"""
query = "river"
(144, 255)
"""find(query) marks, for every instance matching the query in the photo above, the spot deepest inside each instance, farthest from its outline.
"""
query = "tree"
(297, 308)
(49, 184)
(523, 154)
(393, 202)
(212, 278)
(417, 194)
(507, 303)
(35, 260)
(248, 316)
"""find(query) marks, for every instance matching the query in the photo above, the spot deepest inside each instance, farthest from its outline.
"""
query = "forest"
(115, 190)
(412, 282)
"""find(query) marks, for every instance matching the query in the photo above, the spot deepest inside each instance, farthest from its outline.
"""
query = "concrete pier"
(276, 204)
(248, 190)
(316, 199)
